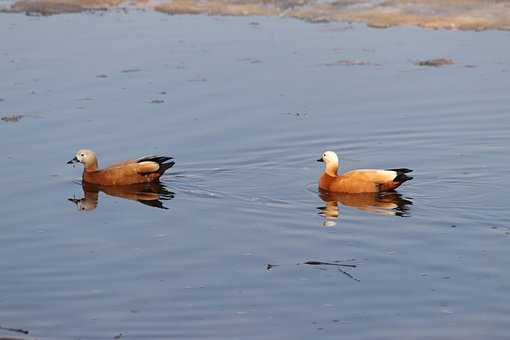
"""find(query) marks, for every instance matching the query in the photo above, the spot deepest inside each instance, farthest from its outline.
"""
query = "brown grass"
(493, 15)
(432, 14)
(216, 7)
(49, 7)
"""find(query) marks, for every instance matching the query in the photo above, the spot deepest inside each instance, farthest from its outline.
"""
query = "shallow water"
(246, 106)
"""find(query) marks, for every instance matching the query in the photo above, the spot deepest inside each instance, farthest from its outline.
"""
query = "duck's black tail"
(163, 162)
(401, 175)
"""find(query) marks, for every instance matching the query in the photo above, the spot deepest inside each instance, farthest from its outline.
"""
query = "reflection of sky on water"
(243, 166)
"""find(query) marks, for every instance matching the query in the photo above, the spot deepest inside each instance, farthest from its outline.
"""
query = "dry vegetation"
(433, 14)
(50, 7)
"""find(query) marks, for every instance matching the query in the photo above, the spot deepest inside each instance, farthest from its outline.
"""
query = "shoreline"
(471, 15)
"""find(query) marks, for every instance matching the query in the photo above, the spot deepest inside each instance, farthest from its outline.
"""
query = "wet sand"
(435, 14)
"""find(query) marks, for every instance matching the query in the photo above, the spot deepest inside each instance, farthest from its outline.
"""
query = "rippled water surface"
(246, 106)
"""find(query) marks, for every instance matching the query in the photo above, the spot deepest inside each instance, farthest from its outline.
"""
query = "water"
(246, 106)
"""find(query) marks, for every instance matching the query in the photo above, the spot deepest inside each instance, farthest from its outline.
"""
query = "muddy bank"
(51, 7)
(463, 15)
(433, 14)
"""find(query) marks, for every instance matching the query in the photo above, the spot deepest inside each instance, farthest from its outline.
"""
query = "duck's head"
(330, 159)
(85, 156)
(84, 204)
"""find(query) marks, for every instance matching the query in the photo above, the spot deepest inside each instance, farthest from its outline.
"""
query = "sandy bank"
(50, 7)
(432, 14)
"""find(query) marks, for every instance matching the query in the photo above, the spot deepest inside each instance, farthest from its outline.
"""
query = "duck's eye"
(82, 155)
(324, 155)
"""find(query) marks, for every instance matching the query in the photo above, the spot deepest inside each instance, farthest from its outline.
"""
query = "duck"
(142, 170)
(361, 180)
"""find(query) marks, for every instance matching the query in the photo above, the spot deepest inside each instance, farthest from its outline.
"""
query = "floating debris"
(296, 114)
(352, 62)
(436, 62)
(131, 70)
(198, 80)
(250, 60)
(270, 266)
(337, 264)
(17, 330)
(12, 118)
(101, 76)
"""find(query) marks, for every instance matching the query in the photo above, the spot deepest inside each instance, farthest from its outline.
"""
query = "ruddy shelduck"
(359, 181)
(143, 170)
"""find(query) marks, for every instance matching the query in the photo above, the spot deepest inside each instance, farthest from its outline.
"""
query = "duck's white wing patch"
(374, 175)
(146, 167)
(388, 175)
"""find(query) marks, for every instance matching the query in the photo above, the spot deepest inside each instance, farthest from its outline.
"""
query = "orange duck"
(144, 170)
(359, 181)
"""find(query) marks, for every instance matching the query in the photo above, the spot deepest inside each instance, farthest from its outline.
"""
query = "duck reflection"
(384, 203)
(151, 194)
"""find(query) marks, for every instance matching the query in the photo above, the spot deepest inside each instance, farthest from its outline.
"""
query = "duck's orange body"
(359, 181)
(144, 170)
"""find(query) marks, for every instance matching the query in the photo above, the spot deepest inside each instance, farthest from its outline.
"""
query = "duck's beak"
(74, 200)
(74, 160)
(320, 160)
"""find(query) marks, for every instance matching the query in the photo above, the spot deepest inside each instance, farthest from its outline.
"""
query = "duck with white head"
(358, 181)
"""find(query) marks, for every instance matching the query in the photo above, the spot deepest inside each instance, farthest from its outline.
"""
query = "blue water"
(246, 109)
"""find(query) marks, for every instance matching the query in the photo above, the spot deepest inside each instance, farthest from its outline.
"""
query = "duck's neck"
(91, 165)
(331, 169)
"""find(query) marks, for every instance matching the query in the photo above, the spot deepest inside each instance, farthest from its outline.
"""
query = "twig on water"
(338, 265)
(17, 330)
(349, 275)
(270, 266)
(320, 263)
